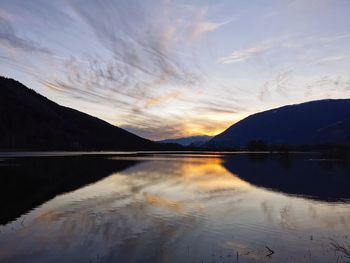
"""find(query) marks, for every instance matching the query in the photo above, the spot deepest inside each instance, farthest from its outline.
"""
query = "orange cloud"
(157, 100)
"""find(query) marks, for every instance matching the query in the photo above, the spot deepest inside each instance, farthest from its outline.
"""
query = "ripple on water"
(180, 209)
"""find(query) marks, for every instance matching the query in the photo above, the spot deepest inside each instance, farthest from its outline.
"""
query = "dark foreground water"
(174, 208)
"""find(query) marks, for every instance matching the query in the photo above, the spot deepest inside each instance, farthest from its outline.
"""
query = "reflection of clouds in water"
(143, 201)
(313, 211)
(268, 210)
(164, 203)
(293, 215)
(288, 219)
(330, 217)
(171, 208)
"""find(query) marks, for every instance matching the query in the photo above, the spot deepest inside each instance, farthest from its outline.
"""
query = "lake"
(174, 207)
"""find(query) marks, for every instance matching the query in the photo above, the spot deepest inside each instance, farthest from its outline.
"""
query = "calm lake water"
(174, 208)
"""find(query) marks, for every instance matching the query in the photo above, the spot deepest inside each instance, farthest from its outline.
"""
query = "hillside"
(29, 121)
(310, 123)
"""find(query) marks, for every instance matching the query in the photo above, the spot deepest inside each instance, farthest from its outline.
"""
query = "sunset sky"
(171, 68)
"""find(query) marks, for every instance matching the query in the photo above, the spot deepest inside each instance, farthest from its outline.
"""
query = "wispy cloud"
(164, 98)
(10, 39)
(165, 128)
(199, 25)
(279, 83)
(147, 45)
(143, 50)
(283, 43)
(329, 59)
(145, 67)
(152, 66)
(245, 54)
(259, 48)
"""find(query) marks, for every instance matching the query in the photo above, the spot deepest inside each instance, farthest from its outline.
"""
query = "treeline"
(337, 150)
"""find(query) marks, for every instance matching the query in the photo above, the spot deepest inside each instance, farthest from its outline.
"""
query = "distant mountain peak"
(197, 140)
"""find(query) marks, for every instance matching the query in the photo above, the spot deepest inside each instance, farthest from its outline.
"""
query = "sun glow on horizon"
(169, 69)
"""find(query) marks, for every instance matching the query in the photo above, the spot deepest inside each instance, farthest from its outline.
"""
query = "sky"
(172, 68)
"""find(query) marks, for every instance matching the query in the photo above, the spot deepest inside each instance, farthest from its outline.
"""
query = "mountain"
(29, 121)
(187, 141)
(310, 123)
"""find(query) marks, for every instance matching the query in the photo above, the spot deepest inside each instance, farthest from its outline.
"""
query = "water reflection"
(28, 182)
(301, 174)
(177, 209)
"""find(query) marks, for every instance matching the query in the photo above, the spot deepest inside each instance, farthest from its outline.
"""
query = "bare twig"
(341, 249)
(270, 251)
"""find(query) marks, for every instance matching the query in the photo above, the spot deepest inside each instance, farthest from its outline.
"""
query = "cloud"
(327, 85)
(142, 65)
(10, 39)
(199, 25)
(148, 65)
(141, 68)
(333, 38)
(204, 27)
(142, 44)
(244, 54)
(166, 98)
(282, 43)
(279, 83)
(141, 53)
(157, 131)
(328, 59)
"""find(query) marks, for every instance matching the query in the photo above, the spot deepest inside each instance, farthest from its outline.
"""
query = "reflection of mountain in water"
(29, 182)
(172, 208)
(326, 180)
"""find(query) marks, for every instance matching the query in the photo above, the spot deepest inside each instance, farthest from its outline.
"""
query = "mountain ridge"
(309, 123)
(30, 121)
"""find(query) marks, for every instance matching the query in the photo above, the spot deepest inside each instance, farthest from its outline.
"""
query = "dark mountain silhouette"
(300, 174)
(310, 123)
(29, 121)
(187, 141)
